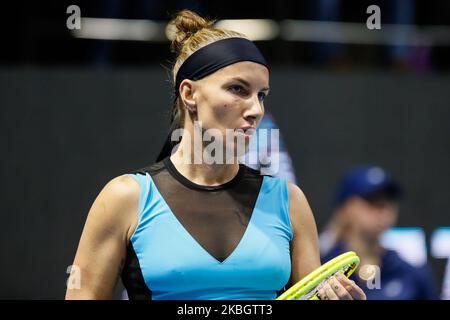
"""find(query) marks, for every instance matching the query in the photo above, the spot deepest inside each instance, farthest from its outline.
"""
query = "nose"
(255, 111)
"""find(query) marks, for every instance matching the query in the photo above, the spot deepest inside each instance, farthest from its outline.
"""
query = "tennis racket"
(306, 288)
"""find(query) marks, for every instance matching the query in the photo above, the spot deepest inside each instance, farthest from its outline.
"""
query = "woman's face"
(370, 218)
(230, 99)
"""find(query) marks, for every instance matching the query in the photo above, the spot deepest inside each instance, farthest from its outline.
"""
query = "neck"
(191, 165)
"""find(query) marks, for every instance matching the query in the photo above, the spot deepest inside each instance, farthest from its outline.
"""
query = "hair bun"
(186, 24)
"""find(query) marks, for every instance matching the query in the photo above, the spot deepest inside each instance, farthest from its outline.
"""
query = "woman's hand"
(339, 287)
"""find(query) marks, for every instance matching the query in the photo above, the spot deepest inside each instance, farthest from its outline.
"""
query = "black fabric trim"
(188, 183)
(151, 168)
(132, 277)
(160, 165)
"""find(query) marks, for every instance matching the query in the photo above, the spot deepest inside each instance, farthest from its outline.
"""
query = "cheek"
(363, 218)
(221, 111)
(357, 212)
(218, 109)
(389, 219)
(368, 220)
(225, 113)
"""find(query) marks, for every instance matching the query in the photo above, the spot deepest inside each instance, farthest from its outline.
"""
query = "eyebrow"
(246, 83)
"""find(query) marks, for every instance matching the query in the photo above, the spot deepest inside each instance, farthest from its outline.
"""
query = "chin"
(241, 150)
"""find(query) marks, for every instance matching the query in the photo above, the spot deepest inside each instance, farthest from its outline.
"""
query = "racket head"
(305, 288)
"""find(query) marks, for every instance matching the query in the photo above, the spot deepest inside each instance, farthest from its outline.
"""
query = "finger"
(321, 294)
(356, 292)
(339, 289)
(353, 289)
(329, 293)
(344, 280)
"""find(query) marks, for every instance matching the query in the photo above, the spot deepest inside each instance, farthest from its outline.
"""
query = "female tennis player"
(188, 229)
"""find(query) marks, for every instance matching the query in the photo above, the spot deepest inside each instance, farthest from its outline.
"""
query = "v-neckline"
(189, 236)
(192, 239)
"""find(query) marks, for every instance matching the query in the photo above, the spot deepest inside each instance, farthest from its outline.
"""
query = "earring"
(191, 110)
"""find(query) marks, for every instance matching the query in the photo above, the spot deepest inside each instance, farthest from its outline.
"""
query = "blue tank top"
(164, 260)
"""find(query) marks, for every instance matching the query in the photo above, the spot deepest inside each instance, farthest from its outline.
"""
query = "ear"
(187, 91)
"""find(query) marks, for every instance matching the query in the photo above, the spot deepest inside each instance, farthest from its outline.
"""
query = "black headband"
(215, 56)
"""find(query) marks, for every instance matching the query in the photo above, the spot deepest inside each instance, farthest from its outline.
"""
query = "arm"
(305, 255)
(102, 248)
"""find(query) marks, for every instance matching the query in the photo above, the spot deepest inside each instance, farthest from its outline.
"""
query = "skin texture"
(232, 97)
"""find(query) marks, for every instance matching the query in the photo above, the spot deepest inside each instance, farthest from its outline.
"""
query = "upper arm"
(305, 256)
(102, 248)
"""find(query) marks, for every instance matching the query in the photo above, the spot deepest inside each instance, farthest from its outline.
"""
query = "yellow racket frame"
(346, 262)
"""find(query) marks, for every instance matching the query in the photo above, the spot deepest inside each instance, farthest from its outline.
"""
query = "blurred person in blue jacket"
(446, 283)
(366, 204)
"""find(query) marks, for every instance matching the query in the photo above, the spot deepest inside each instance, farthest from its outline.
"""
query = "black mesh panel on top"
(215, 216)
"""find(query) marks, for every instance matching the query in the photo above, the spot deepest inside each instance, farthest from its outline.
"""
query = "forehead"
(254, 73)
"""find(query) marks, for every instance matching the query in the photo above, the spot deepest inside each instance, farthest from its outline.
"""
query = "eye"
(262, 96)
(237, 89)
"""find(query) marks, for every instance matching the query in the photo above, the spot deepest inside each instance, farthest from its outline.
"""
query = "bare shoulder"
(297, 198)
(295, 193)
(122, 189)
(116, 205)
(119, 193)
(299, 210)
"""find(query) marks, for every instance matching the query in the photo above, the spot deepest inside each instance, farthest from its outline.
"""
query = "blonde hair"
(192, 32)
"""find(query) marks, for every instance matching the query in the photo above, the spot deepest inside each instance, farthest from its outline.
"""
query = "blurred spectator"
(446, 285)
(367, 200)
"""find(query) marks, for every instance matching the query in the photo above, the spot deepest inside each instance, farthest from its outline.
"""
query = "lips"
(247, 130)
